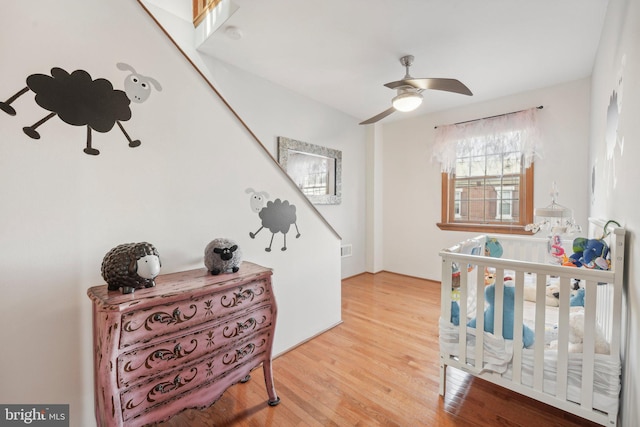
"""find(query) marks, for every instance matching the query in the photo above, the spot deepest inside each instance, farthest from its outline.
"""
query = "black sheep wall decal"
(80, 101)
(277, 215)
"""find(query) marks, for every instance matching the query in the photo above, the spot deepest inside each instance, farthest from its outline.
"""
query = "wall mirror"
(316, 170)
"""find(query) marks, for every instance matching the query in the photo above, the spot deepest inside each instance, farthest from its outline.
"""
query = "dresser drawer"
(142, 362)
(147, 324)
(180, 382)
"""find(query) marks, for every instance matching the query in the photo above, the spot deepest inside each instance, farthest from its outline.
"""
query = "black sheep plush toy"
(131, 266)
(222, 255)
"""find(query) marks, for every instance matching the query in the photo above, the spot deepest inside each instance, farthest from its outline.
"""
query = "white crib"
(585, 383)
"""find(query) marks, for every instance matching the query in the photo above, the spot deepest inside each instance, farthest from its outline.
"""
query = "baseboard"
(307, 340)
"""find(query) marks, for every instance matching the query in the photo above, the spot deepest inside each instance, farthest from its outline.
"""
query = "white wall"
(615, 165)
(412, 182)
(62, 210)
(271, 111)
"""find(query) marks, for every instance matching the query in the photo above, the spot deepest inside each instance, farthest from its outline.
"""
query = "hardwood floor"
(380, 367)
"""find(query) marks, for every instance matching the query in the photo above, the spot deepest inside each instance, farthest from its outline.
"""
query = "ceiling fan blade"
(380, 116)
(448, 85)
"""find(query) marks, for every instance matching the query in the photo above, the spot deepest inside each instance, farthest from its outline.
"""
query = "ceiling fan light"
(407, 101)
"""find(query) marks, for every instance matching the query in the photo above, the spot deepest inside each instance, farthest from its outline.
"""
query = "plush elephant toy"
(590, 253)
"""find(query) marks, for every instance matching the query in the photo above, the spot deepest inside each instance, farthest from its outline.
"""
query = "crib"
(583, 379)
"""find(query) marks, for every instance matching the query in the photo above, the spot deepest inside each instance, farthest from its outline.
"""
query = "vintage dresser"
(180, 344)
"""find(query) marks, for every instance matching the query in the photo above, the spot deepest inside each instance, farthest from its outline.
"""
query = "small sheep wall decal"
(131, 266)
(81, 101)
(277, 216)
(222, 255)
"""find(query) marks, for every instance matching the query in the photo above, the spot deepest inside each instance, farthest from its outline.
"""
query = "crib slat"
(445, 289)
(588, 343)
(538, 352)
(562, 367)
(498, 302)
(518, 315)
(462, 327)
(479, 317)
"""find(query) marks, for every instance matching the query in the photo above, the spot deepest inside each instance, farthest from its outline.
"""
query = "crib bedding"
(498, 354)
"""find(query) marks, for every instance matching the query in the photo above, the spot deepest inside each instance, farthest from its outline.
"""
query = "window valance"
(514, 132)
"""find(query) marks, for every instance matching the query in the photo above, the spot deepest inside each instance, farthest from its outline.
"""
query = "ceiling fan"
(409, 91)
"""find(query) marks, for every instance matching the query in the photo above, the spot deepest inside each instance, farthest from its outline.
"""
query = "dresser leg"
(273, 402)
(268, 380)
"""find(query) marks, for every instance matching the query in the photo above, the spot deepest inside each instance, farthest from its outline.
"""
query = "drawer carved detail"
(241, 353)
(176, 317)
(210, 367)
(163, 355)
(210, 341)
(180, 344)
(240, 296)
(241, 327)
(163, 388)
(208, 308)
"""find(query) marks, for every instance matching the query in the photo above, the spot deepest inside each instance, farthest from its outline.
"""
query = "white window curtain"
(507, 133)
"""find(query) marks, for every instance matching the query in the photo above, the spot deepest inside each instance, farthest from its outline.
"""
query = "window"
(505, 201)
(201, 8)
(487, 178)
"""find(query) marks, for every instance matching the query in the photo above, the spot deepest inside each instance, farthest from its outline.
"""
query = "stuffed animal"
(493, 248)
(131, 266)
(507, 314)
(222, 255)
(552, 294)
(577, 299)
(576, 335)
(489, 278)
(455, 313)
(455, 275)
(590, 253)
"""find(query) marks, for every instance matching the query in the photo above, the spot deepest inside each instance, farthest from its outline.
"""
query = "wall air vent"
(346, 250)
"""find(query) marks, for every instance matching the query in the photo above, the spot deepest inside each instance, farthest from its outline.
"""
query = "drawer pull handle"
(162, 388)
(241, 295)
(165, 355)
(241, 353)
(176, 381)
(240, 327)
(169, 386)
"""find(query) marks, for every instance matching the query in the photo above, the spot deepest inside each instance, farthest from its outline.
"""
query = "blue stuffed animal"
(493, 248)
(590, 253)
(577, 300)
(455, 313)
(507, 315)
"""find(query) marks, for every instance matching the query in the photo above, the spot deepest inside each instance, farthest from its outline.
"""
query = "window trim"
(526, 208)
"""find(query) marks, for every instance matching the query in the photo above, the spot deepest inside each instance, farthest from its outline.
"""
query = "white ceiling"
(341, 52)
